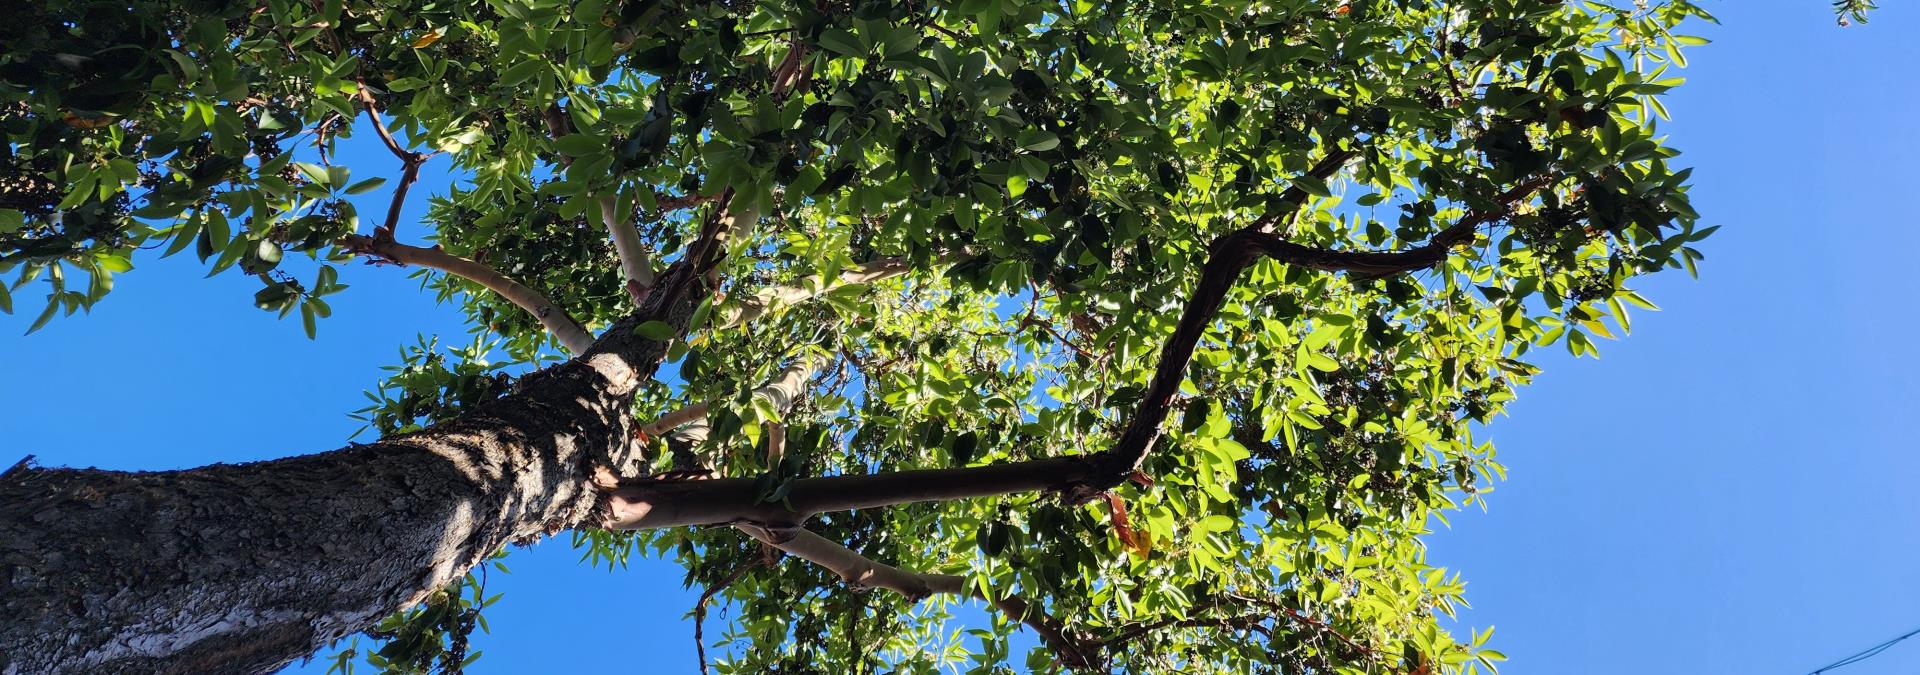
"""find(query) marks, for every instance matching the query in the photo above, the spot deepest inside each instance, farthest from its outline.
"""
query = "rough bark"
(243, 568)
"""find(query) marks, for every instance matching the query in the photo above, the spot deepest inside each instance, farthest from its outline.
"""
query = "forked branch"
(410, 164)
(647, 503)
(772, 298)
(1226, 258)
(564, 328)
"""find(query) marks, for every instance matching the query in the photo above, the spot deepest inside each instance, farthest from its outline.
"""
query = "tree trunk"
(244, 568)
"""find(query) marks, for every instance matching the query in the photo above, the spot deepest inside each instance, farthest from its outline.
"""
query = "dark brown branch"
(408, 174)
(1230, 254)
(700, 613)
(410, 164)
(373, 115)
(1297, 196)
(1226, 257)
(646, 504)
(1071, 650)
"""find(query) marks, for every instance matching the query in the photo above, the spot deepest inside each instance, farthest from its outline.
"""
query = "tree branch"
(564, 328)
(373, 115)
(635, 265)
(648, 503)
(700, 613)
(1227, 256)
(688, 426)
(682, 202)
(675, 419)
(862, 572)
(410, 164)
(772, 298)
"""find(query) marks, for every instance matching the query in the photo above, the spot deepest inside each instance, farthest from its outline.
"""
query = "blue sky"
(1728, 490)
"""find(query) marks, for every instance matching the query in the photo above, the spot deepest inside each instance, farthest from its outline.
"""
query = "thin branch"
(373, 115)
(687, 427)
(635, 265)
(649, 503)
(776, 297)
(1253, 621)
(410, 164)
(700, 613)
(1227, 257)
(564, 328)
(861, 572)
(674, 419)
(408, 174)
(683, 202)
(704, 254)
(1309, 620)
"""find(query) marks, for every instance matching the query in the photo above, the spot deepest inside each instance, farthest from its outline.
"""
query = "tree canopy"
(1166, 328)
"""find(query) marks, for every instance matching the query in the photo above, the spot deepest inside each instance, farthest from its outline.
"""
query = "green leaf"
(1312, 186)
(520, 72)
(1038, 140)
(189, 71)
(314, 172)
(45, 315)
(307, 322)
(1217, 523)
(578, 145)
(367, 185)
(657, 331)
(113, 262)
(841, 42)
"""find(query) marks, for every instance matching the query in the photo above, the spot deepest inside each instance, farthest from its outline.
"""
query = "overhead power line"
(1865, 654)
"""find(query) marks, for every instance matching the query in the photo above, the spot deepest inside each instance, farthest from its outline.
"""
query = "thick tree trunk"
(244, 568)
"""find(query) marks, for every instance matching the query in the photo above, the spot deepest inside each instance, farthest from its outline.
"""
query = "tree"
(1161, 329)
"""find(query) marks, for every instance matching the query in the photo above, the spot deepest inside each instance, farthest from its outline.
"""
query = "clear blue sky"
(1729, 490)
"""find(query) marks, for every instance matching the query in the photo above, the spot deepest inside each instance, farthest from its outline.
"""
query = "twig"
(410, 162)
(700, 612)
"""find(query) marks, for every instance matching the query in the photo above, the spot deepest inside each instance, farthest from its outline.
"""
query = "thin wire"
(1868, 653)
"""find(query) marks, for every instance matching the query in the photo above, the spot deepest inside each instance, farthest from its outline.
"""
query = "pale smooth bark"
(774, 298)
(564, 328)
(635, 265)
(688, 425)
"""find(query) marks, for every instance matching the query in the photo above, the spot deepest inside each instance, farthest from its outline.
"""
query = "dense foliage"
(1051, 176)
